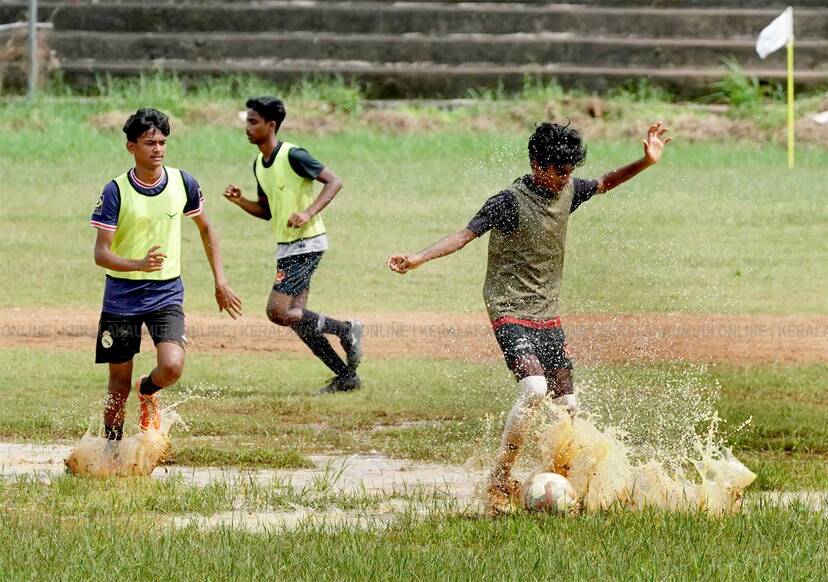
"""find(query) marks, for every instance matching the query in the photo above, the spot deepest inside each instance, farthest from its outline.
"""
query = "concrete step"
(19, 12)
(398, 80)
(434, 18)
(450, 49)
(775, 4)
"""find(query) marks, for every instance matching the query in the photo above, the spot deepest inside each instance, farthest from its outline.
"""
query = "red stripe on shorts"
(531, 323)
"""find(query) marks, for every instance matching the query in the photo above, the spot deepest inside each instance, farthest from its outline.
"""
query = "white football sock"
(532, 392)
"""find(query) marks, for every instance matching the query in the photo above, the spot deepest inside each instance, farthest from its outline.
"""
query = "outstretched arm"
(258, 208)
(332, 185)
(653, 147)
(225, 296)
(445, 246)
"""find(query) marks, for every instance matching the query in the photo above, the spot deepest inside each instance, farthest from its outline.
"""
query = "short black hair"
(556, 145)
(143, 120)
(270, 108)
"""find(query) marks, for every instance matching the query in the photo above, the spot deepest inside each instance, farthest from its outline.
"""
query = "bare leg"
(120, 379)
(560, 382)
(286, 310)
(562, 389)
(169, 359)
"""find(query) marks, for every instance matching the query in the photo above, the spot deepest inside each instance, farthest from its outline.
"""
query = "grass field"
(717, 227)
(720, 227)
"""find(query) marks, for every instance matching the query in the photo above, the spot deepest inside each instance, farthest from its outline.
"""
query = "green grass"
(762, 544)
(260, 411)
(717, 227)
(69, 496)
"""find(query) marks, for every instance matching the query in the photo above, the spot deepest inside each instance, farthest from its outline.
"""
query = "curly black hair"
(556, 145)
(270, 108)
(143, 120)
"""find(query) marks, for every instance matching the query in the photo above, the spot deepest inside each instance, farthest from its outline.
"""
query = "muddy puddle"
(370, 475)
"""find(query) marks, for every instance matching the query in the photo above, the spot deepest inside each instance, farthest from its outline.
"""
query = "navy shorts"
(548, 344)
(293, 273)
(119, 336)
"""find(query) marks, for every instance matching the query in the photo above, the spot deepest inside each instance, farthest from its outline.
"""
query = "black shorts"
(293, 273)
(119, 336)
(547, 344)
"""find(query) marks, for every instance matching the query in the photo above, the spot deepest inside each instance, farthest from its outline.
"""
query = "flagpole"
(791, 101)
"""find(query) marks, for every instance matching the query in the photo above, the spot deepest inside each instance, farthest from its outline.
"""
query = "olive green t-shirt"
(526, 246)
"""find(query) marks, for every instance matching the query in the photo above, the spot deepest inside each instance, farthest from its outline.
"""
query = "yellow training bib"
(287, 193)
(146, 221)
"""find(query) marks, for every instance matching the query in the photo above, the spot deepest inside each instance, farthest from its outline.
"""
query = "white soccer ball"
(549, 492)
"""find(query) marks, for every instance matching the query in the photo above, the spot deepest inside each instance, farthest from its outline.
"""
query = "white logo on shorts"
(106, 340)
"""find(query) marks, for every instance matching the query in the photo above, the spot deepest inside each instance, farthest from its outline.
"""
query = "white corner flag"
(776, 34)
(773, 37)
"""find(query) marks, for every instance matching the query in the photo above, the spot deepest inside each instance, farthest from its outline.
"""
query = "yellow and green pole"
(791, 117)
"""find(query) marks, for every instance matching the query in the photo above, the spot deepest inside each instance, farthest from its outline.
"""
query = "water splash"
(135, 455)
(658, 413)
(599, 466)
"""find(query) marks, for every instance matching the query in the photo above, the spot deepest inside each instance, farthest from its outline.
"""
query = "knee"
(534, 388)
(280, 317)
(275, 315)
(171, 370)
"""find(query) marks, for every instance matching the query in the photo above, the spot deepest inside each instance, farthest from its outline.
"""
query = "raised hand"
(153, 261)
(654, 142)
(233, 194)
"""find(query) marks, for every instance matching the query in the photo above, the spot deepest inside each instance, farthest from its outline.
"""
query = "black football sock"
(322, 349)
(309, 323)
(334, 326)
(114, 433)
(148, 387)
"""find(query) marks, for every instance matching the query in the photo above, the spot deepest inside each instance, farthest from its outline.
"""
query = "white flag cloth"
(776, 34)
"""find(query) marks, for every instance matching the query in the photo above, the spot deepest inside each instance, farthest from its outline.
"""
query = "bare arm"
(106, 258)
(445, 246)
(258, 208)
(653, 148)
(226, 298)
(332, 185)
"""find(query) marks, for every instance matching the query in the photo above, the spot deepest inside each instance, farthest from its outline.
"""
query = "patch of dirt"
(807, 131)
(399, 122)
(110, 121)
(215, 115)
(594, 117)
(14, 58)
(593, 339)
(313, 125)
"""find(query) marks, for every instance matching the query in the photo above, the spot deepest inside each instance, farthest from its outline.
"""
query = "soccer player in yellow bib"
(285, 174)
(138, 218)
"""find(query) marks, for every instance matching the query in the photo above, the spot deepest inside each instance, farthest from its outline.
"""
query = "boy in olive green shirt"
(528, 223)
